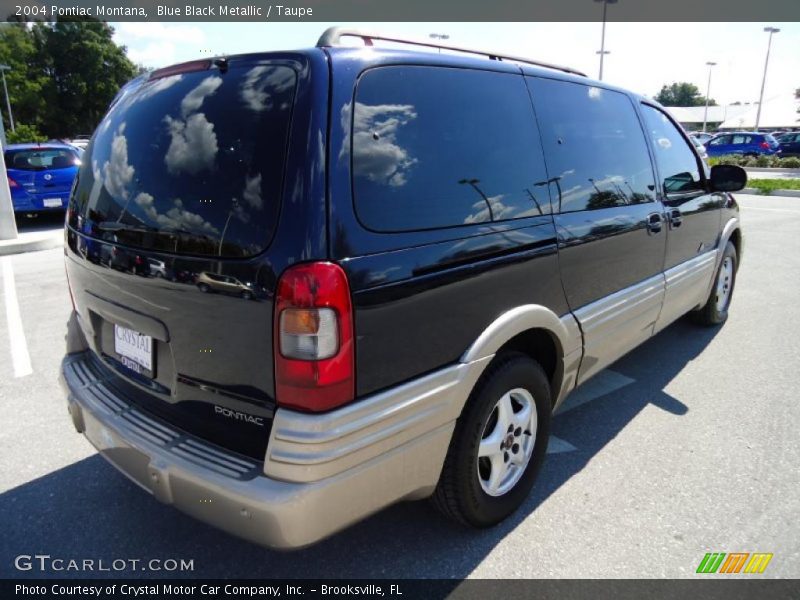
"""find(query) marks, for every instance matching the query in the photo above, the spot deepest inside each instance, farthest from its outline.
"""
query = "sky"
(644, 56)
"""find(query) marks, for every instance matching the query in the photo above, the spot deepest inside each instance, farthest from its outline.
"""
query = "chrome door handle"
(654, 222)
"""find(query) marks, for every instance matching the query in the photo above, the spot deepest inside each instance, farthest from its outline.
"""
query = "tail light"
(12, 184)
(765, 145)
(313, 338)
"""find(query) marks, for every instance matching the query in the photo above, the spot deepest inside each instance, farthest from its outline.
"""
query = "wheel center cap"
(509, 441)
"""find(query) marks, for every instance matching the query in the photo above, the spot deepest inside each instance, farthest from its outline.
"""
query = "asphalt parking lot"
(687, 445)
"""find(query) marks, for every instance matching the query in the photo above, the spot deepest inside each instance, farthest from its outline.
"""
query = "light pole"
(602, 51)
(439, 36)
(234, 205)
(3, 69)
(770, 30)
(708, 91)
(474, 183)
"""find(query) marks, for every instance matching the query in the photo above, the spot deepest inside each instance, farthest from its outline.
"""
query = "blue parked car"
(790, 143)
(748, 143)
(40, 175)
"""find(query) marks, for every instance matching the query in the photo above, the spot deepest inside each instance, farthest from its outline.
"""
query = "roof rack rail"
(333, 35)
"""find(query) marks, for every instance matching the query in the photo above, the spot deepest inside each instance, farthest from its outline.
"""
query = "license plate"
(134, 349)
(52, 202)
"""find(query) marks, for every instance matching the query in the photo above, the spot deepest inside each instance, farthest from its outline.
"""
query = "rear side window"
(191, 163)
(596, 151)
(676, 160)
(41, 159)
(437, 147)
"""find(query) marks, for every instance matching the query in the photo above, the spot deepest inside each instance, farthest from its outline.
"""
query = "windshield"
(41, 159)
(191, 163)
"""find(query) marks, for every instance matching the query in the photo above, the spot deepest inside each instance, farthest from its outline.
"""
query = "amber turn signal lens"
(300, 321)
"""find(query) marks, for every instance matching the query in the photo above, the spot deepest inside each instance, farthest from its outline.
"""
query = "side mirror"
(727, 178)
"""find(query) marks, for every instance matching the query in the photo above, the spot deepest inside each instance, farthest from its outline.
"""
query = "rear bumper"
(25, 202)
(321, 473)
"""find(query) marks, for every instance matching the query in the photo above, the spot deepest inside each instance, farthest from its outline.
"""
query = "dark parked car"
(40, 175)
(746, 142)
(447, 246)
(790, 143)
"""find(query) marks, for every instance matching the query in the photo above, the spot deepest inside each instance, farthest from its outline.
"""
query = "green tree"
(86, 69)
(682, 94)
(25, 85)
(65, 73)
(24, 134)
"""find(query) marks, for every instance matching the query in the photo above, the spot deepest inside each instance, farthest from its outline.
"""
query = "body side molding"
(687, 287)
(617, 323)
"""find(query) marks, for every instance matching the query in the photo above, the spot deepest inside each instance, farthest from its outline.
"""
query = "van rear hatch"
(170, 219)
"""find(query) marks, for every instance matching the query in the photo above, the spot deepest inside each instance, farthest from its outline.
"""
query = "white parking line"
(556, 445)
(16, 335)
(600, 385)
(603, 383)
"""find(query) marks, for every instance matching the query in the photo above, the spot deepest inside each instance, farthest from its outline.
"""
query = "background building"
(778, 112)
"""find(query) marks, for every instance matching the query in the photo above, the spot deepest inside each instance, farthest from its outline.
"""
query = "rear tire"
(468, 490)
(715, 310)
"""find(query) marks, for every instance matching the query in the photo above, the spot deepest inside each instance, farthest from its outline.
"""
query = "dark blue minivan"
(424, 253)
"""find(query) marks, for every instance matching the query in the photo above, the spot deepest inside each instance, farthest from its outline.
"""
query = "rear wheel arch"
(535, 331)
(542, 346)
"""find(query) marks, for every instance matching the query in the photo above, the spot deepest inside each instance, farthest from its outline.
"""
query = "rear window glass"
(41, 159)
(191, 163)
(437, 147)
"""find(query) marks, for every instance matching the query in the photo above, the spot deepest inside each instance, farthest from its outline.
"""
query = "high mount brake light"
(313, 338)
(187, 67)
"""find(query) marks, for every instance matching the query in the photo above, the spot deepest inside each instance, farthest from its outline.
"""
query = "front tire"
(715, 311)
(498, 445)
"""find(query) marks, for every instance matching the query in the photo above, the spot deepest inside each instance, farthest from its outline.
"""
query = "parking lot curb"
(790, 193)
(778, 193)
(32, 243)
(771, 170)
